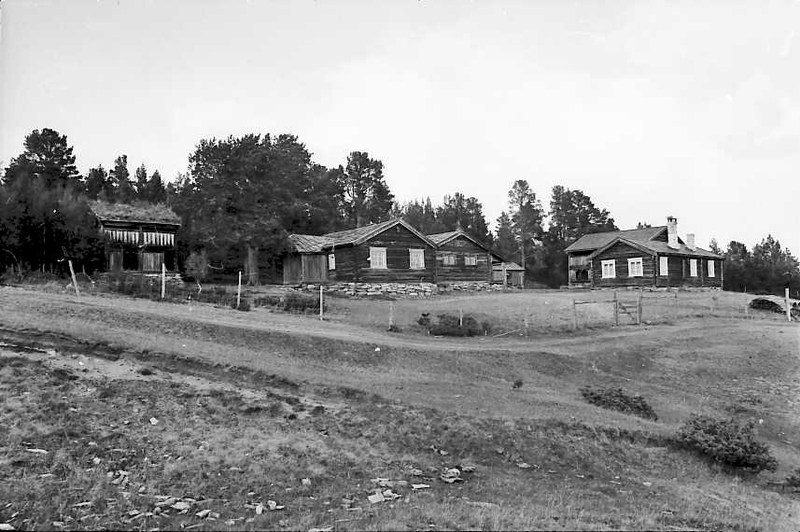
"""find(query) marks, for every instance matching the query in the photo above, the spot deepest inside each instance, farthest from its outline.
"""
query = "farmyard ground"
(142, 405)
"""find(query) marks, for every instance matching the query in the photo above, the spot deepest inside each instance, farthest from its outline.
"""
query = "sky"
(652, 108)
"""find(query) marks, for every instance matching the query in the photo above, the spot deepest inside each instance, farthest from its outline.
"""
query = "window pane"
(693, 267)
(711, 268)
(664, 266)
(331, 261)
(377, 258)
(416, 259)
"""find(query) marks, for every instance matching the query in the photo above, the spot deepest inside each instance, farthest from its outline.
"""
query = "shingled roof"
(443, 238)
(640, 238)
(140, 212)
(350, 237)
(595, 241)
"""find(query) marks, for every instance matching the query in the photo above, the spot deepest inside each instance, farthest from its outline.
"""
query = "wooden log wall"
(621, 252)
(460, 248)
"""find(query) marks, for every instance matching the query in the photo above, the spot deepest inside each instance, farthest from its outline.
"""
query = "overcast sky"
(680, 108)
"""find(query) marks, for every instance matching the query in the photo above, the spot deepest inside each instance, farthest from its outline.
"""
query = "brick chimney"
(672, 232)
(690, 241)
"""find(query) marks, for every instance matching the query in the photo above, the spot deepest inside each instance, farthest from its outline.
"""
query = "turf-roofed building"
(137, 237)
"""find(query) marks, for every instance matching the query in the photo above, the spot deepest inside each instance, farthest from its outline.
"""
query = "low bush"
(793, 479)
(296, 302)
(616, 399)
(726, 442)
(448, 325)
(761, 303)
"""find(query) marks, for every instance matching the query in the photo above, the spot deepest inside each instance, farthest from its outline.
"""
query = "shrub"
(760, 303)
(448, 325)
(726, 442)
(793, 479)
(294, 302)
(616, 399)
(244, 305)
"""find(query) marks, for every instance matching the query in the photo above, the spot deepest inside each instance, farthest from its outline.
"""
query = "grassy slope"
(573, 447)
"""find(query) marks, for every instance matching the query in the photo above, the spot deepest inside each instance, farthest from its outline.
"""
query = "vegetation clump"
(450, 325)
(616, 399)
(761, 303)
(726, 441)
(793, 479)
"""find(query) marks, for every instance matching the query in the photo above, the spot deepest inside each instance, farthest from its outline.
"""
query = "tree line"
(242, 196)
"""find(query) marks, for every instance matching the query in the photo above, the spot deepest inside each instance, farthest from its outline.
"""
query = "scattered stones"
(37, 451)
(451, 475)
(305, 481)
(419, 486)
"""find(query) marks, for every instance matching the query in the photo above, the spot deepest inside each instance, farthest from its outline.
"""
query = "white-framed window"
(663, 266)
(470, 260)
(711, 268)
(377, 258)
(331, 261)
(635, 267)
(416, 259)
(608, 268)
(693, 267)
(449, 259)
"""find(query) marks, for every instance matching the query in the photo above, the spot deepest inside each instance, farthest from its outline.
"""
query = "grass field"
(547, 311)
(163, 415)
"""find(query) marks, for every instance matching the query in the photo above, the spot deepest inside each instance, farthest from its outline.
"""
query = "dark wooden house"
(137, 237)
(649, 257)
(461, 258)
(391, 251)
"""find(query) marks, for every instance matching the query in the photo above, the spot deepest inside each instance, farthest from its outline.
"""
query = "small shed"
(391, 251)
(513, 273)
(137, 236)
(460, 257)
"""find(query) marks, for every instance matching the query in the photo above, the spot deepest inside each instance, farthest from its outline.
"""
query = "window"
(470, 260)
(663, 266)
(331, 261)
(449, 259)
(416, 259)
(711, 268)
(693, 267)
(377, 258)
(608, 267)
(635, 267)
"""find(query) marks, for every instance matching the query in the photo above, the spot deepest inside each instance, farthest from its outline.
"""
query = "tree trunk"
(251, 266)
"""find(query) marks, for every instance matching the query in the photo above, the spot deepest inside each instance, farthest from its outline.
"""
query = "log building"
(385, 252)
(137, 237)
(648, 257)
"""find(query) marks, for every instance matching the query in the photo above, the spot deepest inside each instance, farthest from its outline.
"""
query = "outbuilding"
(137, 237)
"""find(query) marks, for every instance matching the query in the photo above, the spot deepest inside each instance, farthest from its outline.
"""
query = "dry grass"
(232, 435)
(227, 453)
(547, 311)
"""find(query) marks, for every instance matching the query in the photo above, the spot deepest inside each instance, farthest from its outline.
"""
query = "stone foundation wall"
(400, 289)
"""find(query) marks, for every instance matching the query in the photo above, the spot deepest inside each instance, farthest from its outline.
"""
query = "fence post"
(320, 303)
(163, 280)
(616, 309)
(639, 308)
(239, 291)
(676, 304)
(574, 315)
(391, 315)
(78, 291)
(788, 306)
(460, 317)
